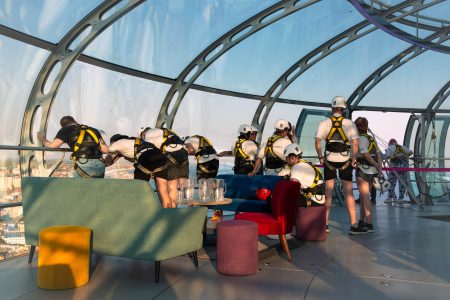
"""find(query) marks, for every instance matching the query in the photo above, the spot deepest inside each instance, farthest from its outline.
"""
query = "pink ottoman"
(237, 247)
(311, 223)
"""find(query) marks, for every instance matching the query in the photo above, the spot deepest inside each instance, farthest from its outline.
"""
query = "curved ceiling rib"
(439, 98)
(373, 17)
(403, 57)
(194, 69)
(439, 22)
(56, 66)
(316, 55)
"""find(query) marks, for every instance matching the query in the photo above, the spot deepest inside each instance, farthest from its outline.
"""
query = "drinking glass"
(218, 188)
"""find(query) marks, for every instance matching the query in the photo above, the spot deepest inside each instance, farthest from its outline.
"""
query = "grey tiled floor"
(408, 257)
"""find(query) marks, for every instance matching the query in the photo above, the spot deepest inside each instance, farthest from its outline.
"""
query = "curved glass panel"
(214, 116)
(19, 64)
(110, 101)
(46, 19)
(414, 84)
(254, 64)
(162, 37)
(341, 72)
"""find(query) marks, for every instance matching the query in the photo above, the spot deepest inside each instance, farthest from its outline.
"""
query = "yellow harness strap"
(201, 144)
(238, 148)
(317, 177)
(399, 151)
(83, 131)
(373, 148)
(166, 133)
(269, 146)
(337, 126)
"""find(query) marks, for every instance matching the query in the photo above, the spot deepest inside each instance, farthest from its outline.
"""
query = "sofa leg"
(30, 257)
(285, 246)
(157, 269)
(194, 255)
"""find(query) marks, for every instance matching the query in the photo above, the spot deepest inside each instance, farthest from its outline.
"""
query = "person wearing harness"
(173, 148)
(273, 150)
(398, 156)
(87, 147)
(244, 150)
(205, 154)
(369, 166)
(341, 147)
(149, 162)
(311, 180)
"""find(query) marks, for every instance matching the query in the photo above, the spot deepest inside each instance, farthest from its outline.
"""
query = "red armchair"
(282, 219)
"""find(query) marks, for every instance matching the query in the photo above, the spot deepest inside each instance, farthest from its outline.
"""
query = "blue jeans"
(93, 167)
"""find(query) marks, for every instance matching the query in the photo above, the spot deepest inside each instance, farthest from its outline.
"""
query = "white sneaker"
(389, 201)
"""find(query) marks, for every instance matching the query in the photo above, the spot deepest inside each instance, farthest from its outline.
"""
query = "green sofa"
(125, 217)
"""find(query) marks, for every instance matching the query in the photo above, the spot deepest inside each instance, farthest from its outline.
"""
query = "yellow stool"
(64, 253)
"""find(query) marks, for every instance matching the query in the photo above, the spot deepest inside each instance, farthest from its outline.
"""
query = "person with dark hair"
(273, 150)
(244, 150)
(86, 143)
(149, 162)
(398, 156)
(341, 147)
(205, 154)
(173, 148)
(369, 166)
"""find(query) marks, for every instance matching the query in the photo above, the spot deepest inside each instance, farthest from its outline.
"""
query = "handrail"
(11, 204)
(30, 148)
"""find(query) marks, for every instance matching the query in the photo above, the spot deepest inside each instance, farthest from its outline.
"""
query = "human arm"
(257, 166)
(355, 151)
(103, 147)
(318, 146)
(56, 143)
(225, 153)
(111, 159)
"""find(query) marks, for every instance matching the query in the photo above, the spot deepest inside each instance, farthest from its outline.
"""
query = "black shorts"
(345, 174)
(177, 164)
(208, 169)
(152, 160)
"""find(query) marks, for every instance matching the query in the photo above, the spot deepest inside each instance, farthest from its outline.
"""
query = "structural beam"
(54, 71)
(373, 17)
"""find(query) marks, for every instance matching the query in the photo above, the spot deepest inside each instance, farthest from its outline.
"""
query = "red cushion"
(267, 224)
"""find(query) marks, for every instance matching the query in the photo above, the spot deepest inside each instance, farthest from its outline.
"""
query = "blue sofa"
(242, 189)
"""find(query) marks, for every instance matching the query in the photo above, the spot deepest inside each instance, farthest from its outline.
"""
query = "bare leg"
(161, 185)
(365, 205)
(329, 186)
(350, 201)
(173, 192)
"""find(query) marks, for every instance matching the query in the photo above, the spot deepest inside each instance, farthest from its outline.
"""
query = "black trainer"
(369, 228)
(361, 224)
(357, 230)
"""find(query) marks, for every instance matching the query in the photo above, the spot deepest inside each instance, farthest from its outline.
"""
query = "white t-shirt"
(363, 147)
(278, 147)
(249, 148)
(125, 147)
(350, 132)
(195, 142)
(156, 137)
(305, 174)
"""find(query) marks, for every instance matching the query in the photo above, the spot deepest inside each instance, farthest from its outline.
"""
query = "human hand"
(41, 136)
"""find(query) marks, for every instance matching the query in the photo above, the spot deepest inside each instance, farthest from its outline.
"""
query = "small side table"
(64, 254)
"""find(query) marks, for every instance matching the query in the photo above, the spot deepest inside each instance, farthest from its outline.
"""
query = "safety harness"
(372, 150)
(170, 138)
(315, 188)
(241, 159)
(337, 142)
(139, 148)
(205, 149)
(399, 154)
(273, 161)
(87, 145)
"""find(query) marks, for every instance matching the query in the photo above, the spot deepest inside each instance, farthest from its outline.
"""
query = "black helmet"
(117, 137)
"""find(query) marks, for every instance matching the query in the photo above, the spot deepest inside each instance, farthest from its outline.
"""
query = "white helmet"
(244, 128)
(282, 125)
(293, 149)
(254, 129)
(381, 184)
(338, 101)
